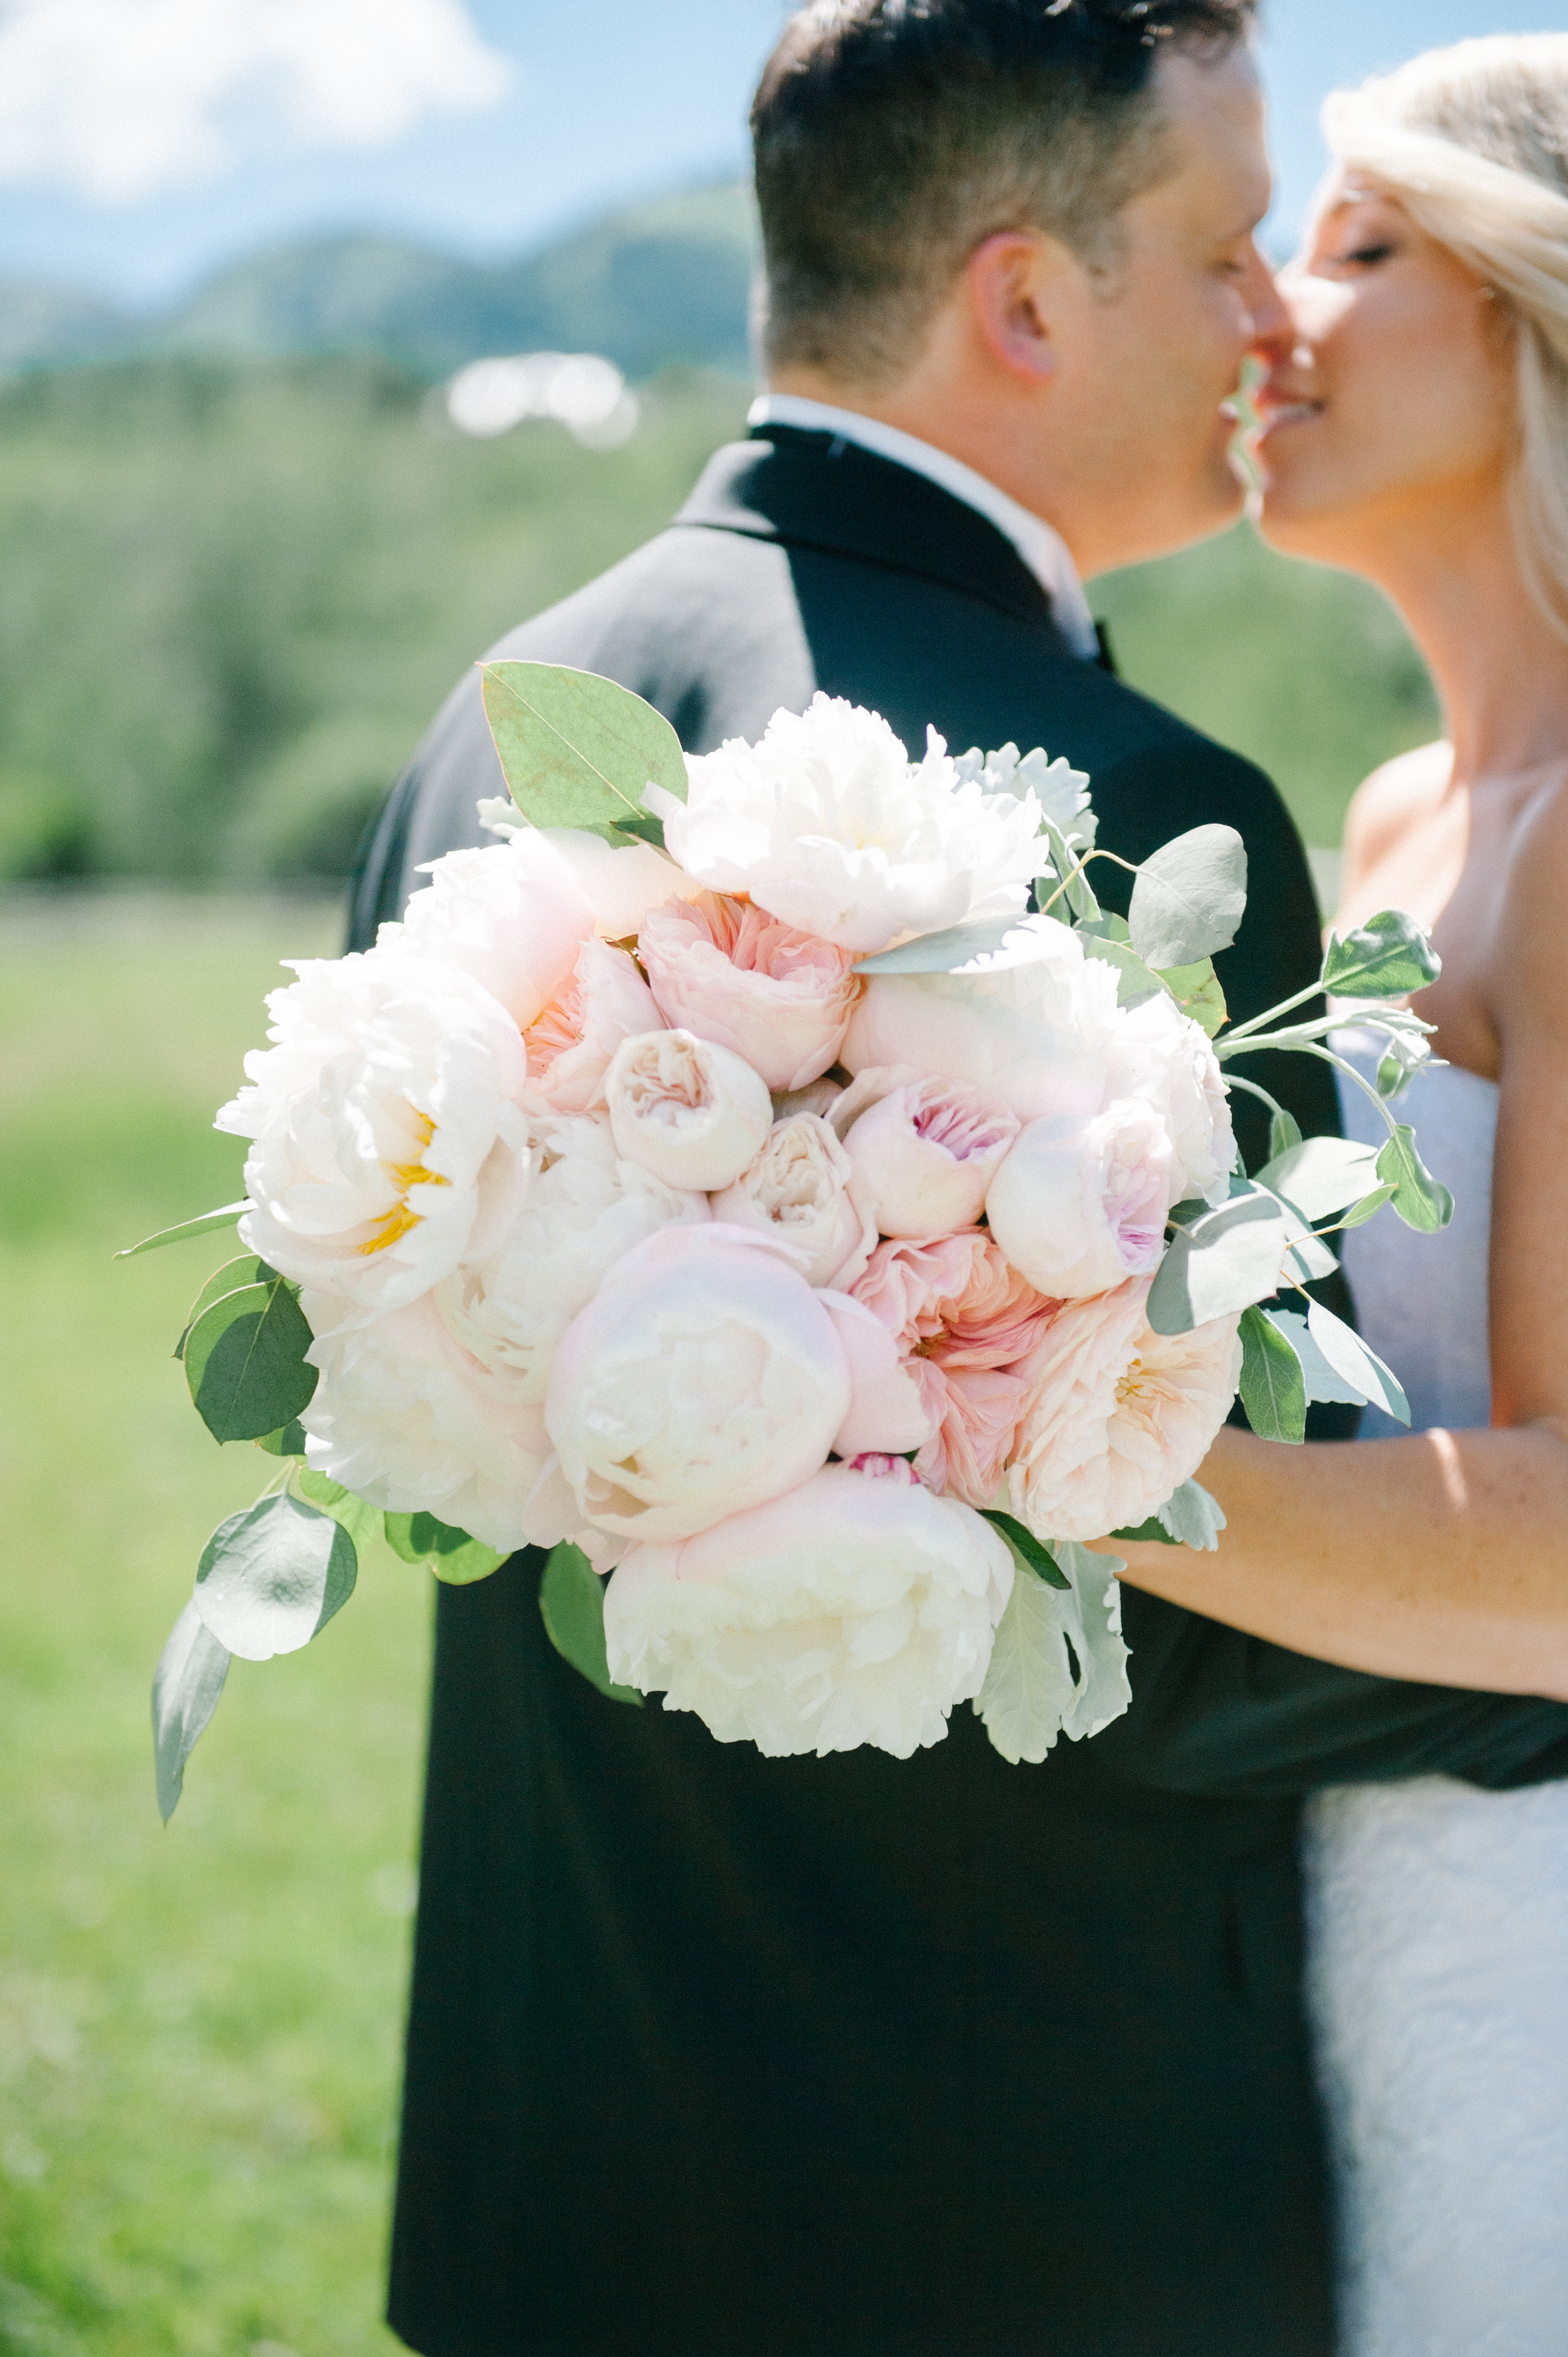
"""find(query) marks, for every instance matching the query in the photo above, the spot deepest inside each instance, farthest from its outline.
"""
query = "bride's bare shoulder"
(1394, 800)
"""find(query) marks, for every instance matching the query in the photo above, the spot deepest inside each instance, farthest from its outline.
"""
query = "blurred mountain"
(650, 285)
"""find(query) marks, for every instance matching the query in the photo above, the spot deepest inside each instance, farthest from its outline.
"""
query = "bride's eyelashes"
(1369, 256)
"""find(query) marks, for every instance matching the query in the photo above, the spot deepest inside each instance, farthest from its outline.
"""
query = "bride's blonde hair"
(1473, 140)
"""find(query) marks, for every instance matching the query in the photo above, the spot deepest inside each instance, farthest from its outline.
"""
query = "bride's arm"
(1444, 1556)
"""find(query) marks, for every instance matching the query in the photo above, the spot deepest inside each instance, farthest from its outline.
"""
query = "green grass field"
(199, 2028)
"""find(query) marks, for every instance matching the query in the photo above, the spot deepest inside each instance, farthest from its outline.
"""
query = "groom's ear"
(1014, 282)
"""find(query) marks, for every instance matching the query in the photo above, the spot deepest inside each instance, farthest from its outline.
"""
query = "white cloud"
(116, 100)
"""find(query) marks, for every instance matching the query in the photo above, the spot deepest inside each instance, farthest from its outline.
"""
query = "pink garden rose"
(926, 1153)
(570, 1045)
(730, 972)
(856, 1609)
(1079, 1206)
(1118, 1416)
(973, 1329)
(889, 1410)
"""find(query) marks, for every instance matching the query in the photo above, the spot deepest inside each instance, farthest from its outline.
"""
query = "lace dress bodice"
(1438, 1914)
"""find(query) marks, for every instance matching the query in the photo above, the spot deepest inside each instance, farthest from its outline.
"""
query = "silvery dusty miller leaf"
(1031, 1695)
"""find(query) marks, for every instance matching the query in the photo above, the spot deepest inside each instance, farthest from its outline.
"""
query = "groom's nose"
(1262, 296)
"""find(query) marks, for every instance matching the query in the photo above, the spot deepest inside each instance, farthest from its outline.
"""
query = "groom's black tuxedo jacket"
(717, 2056)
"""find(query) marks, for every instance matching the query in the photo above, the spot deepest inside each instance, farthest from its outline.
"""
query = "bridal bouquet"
(726, 1183)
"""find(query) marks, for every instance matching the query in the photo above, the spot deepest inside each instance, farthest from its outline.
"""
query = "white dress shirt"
(1043, 550)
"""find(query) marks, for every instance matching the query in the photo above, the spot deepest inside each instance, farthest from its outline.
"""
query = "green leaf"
(1322, 1175)
(246, 1270)
(1027, 1550)
(1345, 1352)
(572, 1603)
(1135, 982)
(362, 1521)
(1273, 1388)
(244, 1361)
(287, 1442)
(1219, 1264)
(1150, 1533)
(991, 945)
(1386, 958)
(1189, 898)
(199, 1227)
(271, 1578)
(1195, 989)
(1369, 1207)
(1284, 1131)
(1058, 1666)
(578, 750)
(449, 1553)
(1419, 1200)
(186, 1686)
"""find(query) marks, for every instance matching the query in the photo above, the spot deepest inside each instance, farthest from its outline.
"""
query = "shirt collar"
(1043, 550)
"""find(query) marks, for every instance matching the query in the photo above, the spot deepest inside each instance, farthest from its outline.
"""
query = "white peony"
(827, 823)
(585, 1206)
(858, 1610)
(413, 1424)
(1119, 1416)
(801, 1188)
(693, 1114)
(1036, 1033)
(704, 1376)
(388, 1135)
(514, 916)
(1079, 1206)
(1160, 1055)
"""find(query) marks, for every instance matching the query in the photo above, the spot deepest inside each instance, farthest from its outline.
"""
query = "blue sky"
(493, 125)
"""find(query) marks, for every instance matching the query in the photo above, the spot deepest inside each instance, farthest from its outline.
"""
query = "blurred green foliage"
(199, 2028)
(233, 594)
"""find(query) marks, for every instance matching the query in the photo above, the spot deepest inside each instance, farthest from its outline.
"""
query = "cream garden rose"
(855, 1609)
(693, 1114)
(802, 1188)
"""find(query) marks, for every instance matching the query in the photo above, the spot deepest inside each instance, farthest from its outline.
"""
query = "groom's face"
(1149, 355)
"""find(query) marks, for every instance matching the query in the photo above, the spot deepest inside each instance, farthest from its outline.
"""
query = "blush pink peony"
(1079, 1206)
(728, 971)
(1118, 1416)
(974, 1331)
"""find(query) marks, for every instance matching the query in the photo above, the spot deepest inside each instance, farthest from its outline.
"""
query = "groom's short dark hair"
(893, 136)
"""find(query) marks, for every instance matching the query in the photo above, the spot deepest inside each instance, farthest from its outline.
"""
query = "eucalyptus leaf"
(1224, 1261)
(955, 947)
(578, 750)
(186, 1686)
(245, 1363)
(287, 1442)
(1076, 888)
(1027, 1550)
(1308, 1259)
(271, 1578)
(1058, 1666)
(1369, 1207)
(1420, 1200)
(203, 1226)
(1284, 1131)
(1385, 958)
(1273, 1387)
(361, 1521)
(1351, 1358)
(1402, 1059)
(234, 1274)
(1189, 898)
(449, 1553)
(1322, 1175)
(1323, 1382)
(572, 1603)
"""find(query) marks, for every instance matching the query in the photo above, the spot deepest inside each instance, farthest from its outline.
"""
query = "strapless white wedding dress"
(1437, 1915)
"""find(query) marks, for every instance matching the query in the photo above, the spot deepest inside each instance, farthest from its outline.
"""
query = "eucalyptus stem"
(1079, 869)
(1254, 1091)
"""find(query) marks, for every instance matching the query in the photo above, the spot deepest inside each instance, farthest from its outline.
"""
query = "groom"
(717, 2056)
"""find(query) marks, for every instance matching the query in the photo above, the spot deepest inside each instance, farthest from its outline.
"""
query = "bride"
(1416, 431)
